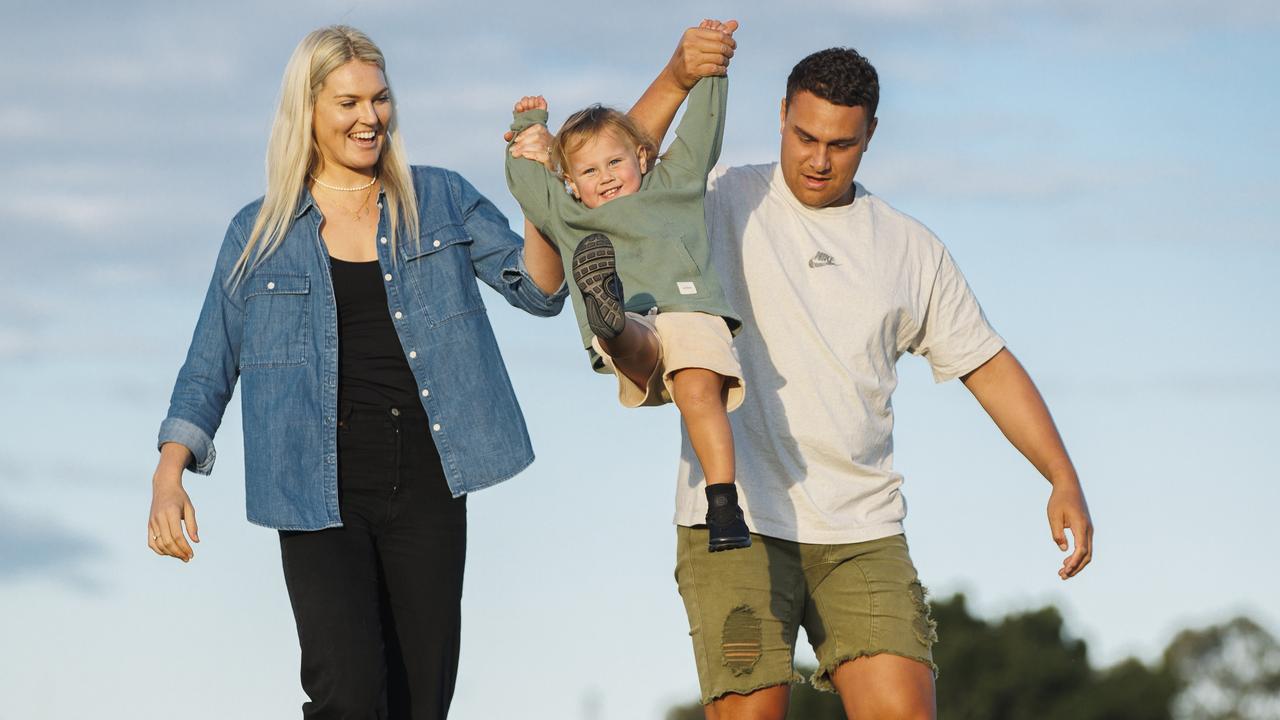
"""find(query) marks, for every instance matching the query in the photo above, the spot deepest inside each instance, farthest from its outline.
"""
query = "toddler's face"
(604, 168)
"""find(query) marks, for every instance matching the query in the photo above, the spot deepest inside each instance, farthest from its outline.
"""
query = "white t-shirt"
(830, 299)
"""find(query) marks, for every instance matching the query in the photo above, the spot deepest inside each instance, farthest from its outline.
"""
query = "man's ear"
(782, 116)
(871, 130)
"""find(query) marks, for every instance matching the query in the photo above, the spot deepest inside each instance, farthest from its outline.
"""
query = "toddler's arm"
(530, 182)
(696, 148)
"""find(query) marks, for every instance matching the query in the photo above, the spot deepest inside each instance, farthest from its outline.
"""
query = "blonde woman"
(374, 397)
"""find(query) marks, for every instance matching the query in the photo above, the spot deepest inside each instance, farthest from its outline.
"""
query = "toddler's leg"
(634, 352)
(633, 347)
(700, 394)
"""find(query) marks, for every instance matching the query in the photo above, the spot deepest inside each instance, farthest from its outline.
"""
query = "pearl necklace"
(365, 186)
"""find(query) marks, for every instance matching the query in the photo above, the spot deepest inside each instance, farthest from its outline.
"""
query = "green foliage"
(1232, 672)
(1025, 666)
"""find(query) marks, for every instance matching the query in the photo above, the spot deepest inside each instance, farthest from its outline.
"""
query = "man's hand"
(703, 51)
(1067, 509)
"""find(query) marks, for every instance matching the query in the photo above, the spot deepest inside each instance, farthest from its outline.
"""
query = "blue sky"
(1104, 175)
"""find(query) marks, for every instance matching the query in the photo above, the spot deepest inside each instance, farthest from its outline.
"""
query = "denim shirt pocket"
(440, 270)
(277, 312)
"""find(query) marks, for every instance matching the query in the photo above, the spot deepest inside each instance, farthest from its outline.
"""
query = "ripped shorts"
(745, 608)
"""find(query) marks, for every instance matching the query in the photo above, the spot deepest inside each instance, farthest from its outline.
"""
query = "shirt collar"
(305, 202)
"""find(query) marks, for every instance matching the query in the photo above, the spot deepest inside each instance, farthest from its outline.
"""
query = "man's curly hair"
(838, 75)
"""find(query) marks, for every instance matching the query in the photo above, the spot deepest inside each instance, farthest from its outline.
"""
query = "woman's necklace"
(361, 210)
(324, 184)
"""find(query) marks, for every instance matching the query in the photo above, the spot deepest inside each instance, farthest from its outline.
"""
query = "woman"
(374, 396)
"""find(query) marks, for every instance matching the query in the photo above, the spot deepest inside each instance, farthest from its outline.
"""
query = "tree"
(1230, 671)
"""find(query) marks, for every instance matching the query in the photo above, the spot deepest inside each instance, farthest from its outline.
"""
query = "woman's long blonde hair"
(292, 154)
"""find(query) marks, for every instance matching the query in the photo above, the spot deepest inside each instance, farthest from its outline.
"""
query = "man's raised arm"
(703, 51)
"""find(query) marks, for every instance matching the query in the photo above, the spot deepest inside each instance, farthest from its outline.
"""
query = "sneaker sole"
(594, 263)
(729, 544)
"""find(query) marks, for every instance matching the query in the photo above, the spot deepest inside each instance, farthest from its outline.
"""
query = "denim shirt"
(277, 332)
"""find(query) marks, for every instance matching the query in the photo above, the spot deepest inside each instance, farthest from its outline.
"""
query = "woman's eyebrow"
(356, 96)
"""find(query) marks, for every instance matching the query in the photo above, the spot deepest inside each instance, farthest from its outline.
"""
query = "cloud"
(40, 546)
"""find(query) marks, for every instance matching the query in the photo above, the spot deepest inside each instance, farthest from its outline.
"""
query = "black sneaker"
(595, 273)
(725, 528)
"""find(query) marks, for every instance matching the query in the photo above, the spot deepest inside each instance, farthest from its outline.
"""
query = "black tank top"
(372, 369)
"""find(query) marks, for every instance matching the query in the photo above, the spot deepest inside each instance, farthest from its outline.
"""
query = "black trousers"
(377, 601)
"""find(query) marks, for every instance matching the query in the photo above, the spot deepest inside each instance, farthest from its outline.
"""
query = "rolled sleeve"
(533, 299)
(187, 434)
(208, 377)
(497, 253)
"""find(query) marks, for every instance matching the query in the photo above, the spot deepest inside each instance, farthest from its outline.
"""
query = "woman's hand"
(534, 143)
(171, 508)
(528, 102)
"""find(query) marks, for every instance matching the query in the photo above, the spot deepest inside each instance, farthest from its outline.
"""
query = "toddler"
(623, 218)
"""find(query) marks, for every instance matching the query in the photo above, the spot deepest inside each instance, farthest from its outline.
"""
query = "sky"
(1103, 173)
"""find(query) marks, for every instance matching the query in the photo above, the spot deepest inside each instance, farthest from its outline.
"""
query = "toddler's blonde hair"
(590, 122)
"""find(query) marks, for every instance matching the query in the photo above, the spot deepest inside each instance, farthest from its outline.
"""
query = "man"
(833, 286)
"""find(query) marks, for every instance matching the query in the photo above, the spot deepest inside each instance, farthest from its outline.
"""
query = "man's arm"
(1006, 392)
(703, 51)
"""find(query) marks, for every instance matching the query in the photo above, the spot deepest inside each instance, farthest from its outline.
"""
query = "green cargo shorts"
(746, 606)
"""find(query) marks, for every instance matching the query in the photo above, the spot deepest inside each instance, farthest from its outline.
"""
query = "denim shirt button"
(387, 277)
(435, 244)
(382, 240)
(426, 392)
(271, 286)
(413, 354)
(399, 315)
(436, 427)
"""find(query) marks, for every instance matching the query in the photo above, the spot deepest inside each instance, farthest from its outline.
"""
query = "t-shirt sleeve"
(953, 334)
(531, 183)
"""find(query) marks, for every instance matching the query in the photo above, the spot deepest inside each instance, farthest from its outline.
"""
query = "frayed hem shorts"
(745, 608)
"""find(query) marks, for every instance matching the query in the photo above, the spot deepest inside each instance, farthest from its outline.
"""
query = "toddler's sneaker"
(726, 529)
(595, 273)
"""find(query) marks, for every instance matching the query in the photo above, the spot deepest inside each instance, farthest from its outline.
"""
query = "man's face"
(822, 145)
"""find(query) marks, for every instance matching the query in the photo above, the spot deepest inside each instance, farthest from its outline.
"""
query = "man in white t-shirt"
(833, 286)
